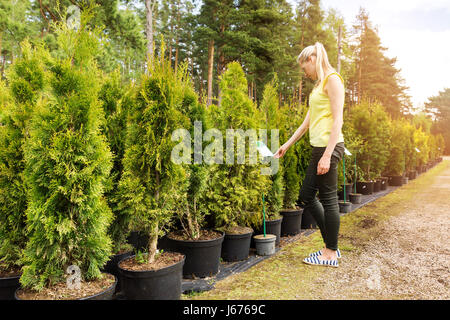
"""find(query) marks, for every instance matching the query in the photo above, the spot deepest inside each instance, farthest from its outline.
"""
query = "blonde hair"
(322, 62)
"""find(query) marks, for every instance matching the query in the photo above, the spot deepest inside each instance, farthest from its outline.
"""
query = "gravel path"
(409, 258)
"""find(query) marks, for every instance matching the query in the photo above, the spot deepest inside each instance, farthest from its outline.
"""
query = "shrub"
(67, 164)
(371, 124)
(115, 99)
(26, 81)
(192, 209)
(151, 182)
(269, 106)
(234, 190)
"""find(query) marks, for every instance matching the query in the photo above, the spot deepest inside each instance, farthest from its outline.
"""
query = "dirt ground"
(394, 248)
(409, 259)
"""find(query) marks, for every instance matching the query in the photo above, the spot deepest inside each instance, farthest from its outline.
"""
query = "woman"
(324, 121)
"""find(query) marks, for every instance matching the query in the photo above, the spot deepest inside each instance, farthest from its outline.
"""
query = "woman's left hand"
(324, 165)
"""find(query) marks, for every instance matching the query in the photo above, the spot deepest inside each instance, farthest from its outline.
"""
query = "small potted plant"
(396, 166)
(265, 243)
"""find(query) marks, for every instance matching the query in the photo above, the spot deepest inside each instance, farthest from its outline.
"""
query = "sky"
(417, 32)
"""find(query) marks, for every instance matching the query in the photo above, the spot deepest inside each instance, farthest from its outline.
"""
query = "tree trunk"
(149, 6)
(210, 70)
(152, 244)
(153, 236)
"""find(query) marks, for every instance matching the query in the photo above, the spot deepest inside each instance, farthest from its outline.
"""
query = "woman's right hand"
(281, 152)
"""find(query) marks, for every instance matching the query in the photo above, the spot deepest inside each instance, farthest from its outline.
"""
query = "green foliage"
(234, 190)
(269, 106)
(421, 143)
(67, 165)
(151, 180)
(353, 143)
(115, 100)
(401, 147)
(371, 125)
(26, 81)
(296, 159)
(192, 209)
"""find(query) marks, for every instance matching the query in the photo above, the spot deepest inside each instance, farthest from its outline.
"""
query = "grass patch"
(284, 276)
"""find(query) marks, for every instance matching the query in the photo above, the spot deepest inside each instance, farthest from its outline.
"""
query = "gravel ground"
(409, 258)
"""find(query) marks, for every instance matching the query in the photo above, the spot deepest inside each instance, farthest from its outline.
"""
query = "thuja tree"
(353, 144)
(296, 159)
(372, 125)
(115, 101)
(269, 106)
(26, 79)
(192, 209)
(151, 181)
(421, 143)
(398, 147)
(67, 164)
(236, 185)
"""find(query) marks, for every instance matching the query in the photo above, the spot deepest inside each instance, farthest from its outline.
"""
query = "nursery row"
(86, 158)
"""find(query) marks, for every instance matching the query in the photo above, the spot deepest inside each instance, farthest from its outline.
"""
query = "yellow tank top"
(321, 118)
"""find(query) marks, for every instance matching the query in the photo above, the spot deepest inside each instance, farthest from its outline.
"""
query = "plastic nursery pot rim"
(267, 238)
(200, 243)
(104, 292)
(152, 273)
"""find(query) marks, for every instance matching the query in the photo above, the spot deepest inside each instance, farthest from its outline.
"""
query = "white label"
(263, 150)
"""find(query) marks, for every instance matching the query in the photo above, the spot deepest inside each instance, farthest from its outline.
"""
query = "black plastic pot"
(8, 286)
(272, 227)
(396, 181)
(384, 183)
(202, 256)
(308, 221)
(106, 294)
(377, 185)
(236, 247)
(412, 175)
(345, 207)
(348, 190)
(112, 267)
(355, 198)
(292, 222)
(364, 188)
(161, 284)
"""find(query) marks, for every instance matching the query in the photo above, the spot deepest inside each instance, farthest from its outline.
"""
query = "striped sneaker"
(319, 253)
(315, 261)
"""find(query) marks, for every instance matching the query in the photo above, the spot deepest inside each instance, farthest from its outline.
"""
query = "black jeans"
(325, 211)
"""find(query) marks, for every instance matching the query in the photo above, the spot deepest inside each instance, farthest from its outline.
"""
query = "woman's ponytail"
(322, 62)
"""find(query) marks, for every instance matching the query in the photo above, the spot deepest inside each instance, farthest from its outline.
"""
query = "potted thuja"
(294, 166)
(67, 163)
(236, 183)
(17, 101)
(274, 198)
(115, 101)
(152, 181)
(202, 247)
